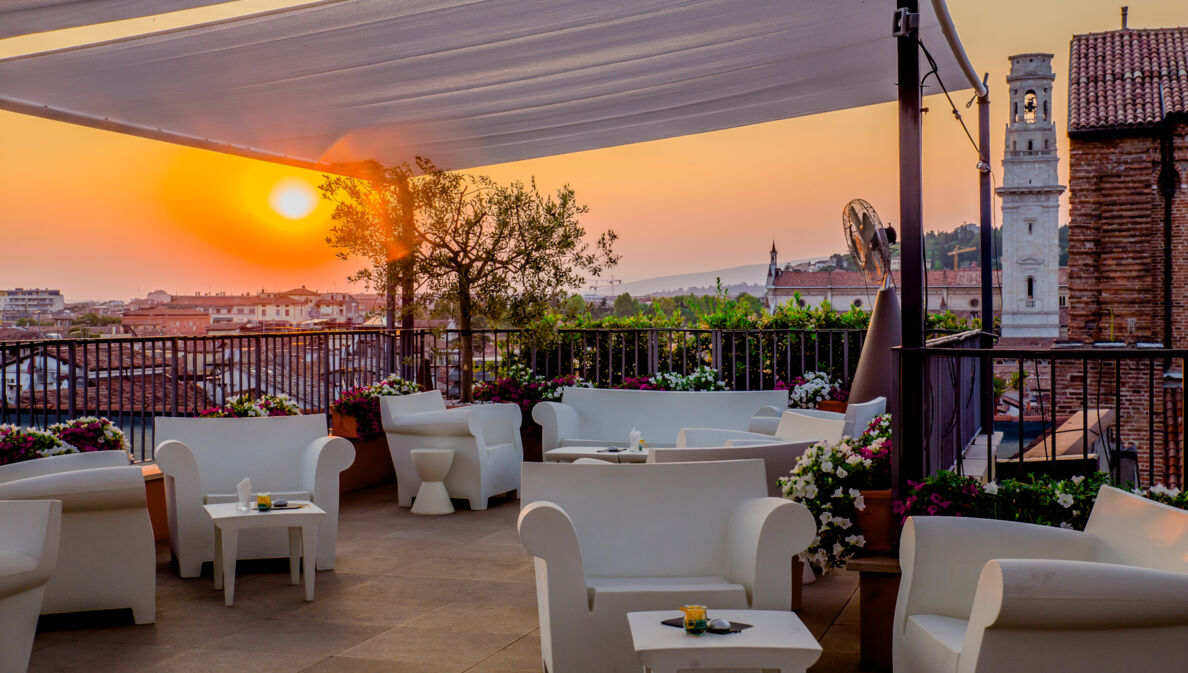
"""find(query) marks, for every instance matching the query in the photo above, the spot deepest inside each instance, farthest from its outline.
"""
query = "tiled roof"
(1114, 78)
(215, 300)
(165, 311)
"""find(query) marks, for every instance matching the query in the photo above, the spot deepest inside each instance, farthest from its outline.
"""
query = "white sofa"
(596, 417)
(981, 596)
(485, 439)
(29, 534)
(108, 557)
(794, 426)
(611, 539)
(857, 417)
(698, 445)
(203, 459)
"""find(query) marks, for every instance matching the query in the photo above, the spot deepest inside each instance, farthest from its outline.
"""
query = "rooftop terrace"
(409, 594)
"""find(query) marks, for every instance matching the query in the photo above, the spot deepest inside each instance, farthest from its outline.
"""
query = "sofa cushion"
(934, 642)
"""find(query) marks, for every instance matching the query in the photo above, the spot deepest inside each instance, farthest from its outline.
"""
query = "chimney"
(1125, 11)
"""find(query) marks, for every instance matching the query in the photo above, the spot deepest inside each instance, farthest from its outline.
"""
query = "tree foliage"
(506, 252)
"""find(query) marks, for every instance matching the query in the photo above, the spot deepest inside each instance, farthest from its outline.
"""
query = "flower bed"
(90, 433)
(362, 403)
(19, 444)
(247, 406)
(700, 379)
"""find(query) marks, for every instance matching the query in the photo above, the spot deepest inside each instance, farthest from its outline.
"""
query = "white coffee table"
(568, 454)
(303, 541)
(775, 640)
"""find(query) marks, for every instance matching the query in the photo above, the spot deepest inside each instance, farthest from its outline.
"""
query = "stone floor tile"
(455, 647)
(396, 588)
(86, 657)
(522, 655)
(234, 661)
(362, 610)
(510, 619)
(836, 662)
(843, 638)
(460, 568)
(298, 637)
(354, 665)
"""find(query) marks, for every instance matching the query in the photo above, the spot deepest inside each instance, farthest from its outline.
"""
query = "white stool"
(432, 467)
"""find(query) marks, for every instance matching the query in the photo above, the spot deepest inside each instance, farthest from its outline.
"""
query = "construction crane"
(957, 251)
(610, 282)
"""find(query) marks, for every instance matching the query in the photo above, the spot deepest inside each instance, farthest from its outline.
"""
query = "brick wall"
(1116, 269)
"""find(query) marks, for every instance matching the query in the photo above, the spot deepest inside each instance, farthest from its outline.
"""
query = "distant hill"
(701, 282)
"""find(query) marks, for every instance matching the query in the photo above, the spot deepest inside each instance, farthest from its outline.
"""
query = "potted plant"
(355, 415)
(90, 433)
(877, 519)
(517, 384)
(816, 390)
(19, 444)
(254, 406)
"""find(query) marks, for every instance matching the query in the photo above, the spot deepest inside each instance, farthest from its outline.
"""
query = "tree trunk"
(408, 354)
(466, 347)
(390, 355)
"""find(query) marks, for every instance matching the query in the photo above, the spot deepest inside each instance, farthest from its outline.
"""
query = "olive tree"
(501, 251)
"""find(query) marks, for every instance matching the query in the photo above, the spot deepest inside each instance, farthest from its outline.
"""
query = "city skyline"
(117, 216)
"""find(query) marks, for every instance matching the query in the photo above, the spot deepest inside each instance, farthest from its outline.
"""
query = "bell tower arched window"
(1045, 110)
(1029, 107)
(1030, 287)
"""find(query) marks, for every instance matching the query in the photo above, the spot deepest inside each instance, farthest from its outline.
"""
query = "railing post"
(73, 380)
(716, 353)
(653, 353)
(173, 366)
(326, 375)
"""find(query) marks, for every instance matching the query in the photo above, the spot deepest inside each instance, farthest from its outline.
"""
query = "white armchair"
(29, 533)
(485, 439)
(108, 556)
(611, 539)
(203, 459)
(980, 596)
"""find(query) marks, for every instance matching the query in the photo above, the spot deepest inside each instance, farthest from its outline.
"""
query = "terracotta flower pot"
(833, 405)
(344, 425)
(877, 522)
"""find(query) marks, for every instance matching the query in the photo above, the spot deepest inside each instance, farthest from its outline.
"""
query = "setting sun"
(293, 199)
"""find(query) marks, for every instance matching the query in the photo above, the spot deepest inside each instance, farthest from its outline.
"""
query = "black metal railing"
(1063, 411)
(134, 380)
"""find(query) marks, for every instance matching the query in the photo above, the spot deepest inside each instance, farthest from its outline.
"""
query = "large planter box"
(833, 405)
(877, 521)
(530, 436)
(154, 492)
(373, 461)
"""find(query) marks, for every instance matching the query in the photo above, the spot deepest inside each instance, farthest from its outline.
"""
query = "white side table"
(432, 467)
(303, 541)
(775, 640)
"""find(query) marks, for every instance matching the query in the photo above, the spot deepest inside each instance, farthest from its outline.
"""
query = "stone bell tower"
(1030, 194)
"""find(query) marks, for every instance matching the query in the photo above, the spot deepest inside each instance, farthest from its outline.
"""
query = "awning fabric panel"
(20, 17)
(476, 82)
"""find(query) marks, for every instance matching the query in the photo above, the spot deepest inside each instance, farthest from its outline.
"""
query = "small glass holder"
(696, 623)
(263, 502)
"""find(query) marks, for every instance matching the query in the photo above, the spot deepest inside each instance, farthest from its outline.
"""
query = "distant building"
(1128, 139)
(1030, 194)
(159, 297)
(298, 307)
(165, 320)
(957, 291)
(21, 302)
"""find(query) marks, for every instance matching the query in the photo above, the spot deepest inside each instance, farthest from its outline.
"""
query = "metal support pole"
(908, 415)
(986, 238)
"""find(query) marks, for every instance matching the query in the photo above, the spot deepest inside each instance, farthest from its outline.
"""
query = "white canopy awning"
(465, 82)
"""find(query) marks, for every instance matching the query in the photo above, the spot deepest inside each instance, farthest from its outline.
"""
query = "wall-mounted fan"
(869, 241)
(870, 245)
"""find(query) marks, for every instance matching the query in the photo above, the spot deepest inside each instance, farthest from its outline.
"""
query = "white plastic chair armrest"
(557, 421)
(548, 533)
(769, 410)
(820, 413)
(448, 423)
(1078, 595)
(764, 535)
(321, 462)
(177, 461)
(706, 437)
(33, 530)
(942, 557)
(495, 423)
(99, 488)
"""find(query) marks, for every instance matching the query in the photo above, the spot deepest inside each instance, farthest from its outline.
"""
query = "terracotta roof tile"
(1115, 77)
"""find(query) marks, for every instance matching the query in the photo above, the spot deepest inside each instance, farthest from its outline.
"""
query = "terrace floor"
(410, 594)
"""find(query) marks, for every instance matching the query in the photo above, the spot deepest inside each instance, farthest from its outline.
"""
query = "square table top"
(776, 639)
(227, 512)
(568, 454)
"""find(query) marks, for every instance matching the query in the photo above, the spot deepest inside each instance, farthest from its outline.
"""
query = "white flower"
(853, 459)
(1064, 500)
(842, 522)
(1077, 479)
(839, 493)
(838, 549)
(825, 518)
(841, 472)
(1066, 525)
(826, 466)
(990, 487)
(810, 491)
(856, 540)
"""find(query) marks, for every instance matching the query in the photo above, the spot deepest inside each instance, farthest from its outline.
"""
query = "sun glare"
(292, 198)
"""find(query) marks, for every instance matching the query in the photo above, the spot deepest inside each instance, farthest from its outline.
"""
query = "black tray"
(679, 622)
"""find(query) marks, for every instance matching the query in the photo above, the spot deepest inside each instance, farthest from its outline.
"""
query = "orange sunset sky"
(102, 215)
